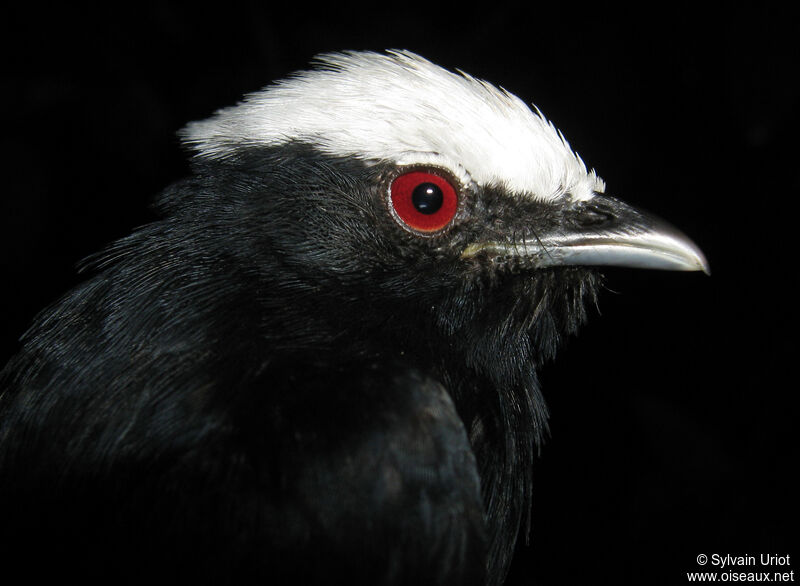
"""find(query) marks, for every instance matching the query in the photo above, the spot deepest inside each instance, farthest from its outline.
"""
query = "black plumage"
(277, 382)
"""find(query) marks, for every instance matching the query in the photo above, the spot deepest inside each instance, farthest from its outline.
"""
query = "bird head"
(444, 204)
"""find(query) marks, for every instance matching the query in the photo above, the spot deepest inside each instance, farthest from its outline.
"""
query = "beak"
(603, 231)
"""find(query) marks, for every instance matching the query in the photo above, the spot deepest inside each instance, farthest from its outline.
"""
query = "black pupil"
(427, 198)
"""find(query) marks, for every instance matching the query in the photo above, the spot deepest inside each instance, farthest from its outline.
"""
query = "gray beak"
(604, 231)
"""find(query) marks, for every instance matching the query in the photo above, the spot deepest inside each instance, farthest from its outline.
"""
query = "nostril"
(594, 215)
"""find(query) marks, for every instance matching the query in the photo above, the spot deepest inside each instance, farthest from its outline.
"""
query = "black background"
(673, 413)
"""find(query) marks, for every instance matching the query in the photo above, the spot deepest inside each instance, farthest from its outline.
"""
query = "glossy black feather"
(277, 382)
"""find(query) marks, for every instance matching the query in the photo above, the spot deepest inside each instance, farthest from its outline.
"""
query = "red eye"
(423, 201)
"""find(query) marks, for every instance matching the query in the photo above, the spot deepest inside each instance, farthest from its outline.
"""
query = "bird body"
(320, 363)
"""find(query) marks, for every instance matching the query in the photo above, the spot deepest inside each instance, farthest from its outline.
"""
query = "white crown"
(401, 108)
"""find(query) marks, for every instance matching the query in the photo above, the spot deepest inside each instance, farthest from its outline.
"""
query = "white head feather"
(402, 108)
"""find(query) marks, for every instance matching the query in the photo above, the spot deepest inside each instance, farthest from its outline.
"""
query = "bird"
(319, 363)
